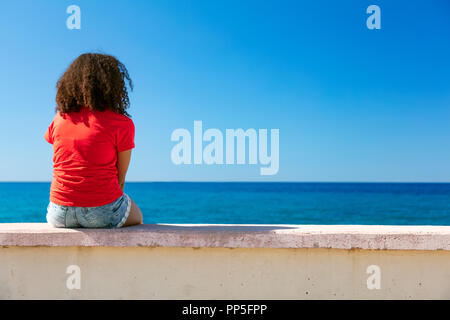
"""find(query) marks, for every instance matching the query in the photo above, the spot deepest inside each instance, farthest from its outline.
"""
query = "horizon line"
(239, 181)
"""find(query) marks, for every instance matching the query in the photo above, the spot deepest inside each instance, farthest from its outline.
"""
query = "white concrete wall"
(140, 268)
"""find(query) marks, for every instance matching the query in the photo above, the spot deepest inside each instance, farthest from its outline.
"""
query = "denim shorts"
(111, 215)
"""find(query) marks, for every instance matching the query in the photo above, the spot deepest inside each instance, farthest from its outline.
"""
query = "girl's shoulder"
(116, 116)
(107, 118)
(119, 121)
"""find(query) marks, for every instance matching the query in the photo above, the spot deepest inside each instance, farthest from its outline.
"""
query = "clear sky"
(351, 104)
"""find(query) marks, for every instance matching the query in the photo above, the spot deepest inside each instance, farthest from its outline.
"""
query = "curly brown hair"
(95, 80)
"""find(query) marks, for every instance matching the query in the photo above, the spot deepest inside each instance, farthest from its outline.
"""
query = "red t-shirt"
(85, 146)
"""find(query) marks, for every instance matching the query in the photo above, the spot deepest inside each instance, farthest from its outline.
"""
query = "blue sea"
(258, 203)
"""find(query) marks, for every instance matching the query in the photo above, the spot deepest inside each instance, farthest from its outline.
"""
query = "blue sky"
(351, 104)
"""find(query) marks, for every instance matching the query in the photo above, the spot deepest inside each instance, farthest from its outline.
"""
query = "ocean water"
(259, 203)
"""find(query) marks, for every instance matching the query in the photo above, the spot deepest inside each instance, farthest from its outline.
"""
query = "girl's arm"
(123, 160)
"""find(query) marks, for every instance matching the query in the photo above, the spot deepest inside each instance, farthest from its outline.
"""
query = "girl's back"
(85, 148)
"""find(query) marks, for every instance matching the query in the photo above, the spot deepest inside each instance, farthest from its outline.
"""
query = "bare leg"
(135, 216)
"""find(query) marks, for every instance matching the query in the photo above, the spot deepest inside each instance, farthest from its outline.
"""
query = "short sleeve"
(125, 136)
(48, 135)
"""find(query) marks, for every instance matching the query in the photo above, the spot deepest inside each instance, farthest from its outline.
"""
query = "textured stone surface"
(232, 236)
